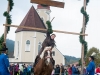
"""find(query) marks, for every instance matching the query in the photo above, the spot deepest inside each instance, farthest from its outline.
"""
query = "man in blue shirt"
(91, 67)
(4, 62)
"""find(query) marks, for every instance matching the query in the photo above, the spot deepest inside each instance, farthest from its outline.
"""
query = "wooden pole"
(82, 50)
(49, 3)
(45, 29)
(5, 29)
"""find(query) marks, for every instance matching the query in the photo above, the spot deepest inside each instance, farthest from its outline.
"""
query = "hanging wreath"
(9, 21)
(49, 27)
(7, 15)
(82, 41)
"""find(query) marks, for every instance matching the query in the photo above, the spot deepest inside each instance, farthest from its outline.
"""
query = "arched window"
(27, 45)
(39, 47)
(53, 53)
(17, 48)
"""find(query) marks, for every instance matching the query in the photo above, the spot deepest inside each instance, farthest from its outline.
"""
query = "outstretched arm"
(48, 34)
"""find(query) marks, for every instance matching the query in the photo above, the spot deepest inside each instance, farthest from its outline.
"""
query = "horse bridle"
(47, 56)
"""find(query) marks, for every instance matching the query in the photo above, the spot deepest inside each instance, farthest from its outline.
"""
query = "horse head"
(44, 66)
(47, 55)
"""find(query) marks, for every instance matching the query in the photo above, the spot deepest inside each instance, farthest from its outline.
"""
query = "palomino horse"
(44, 65)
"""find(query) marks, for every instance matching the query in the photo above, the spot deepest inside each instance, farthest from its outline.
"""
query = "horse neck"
(43, 61)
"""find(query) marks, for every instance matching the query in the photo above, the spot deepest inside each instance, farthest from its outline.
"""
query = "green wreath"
(9, 21)
(82, 41)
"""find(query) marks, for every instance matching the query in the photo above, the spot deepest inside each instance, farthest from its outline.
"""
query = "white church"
(28, 42)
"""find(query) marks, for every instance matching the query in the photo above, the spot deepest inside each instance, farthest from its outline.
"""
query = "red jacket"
(98, 70)
(69, 71)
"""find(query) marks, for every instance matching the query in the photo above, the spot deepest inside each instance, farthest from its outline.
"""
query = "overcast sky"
(68, 18)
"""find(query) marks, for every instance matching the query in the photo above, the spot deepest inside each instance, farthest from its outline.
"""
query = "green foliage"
(96, 55)
(7, 15)
(86, 15)
(9, 21)
(82, 41)
(49, 27)
(80, 63)
(11, 4)
(1, 41)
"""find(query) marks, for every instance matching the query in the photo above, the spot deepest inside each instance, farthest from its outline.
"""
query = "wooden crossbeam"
(58, 31)
(49, 3)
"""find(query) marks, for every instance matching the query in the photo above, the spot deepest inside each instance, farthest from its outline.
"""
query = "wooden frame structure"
(49, 3)
(58, 31)
(56, 4)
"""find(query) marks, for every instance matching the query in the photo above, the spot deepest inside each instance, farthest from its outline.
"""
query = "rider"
(49, 41)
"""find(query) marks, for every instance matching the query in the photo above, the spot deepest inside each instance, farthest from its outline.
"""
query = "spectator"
(57, 70)
(25, 70)
(61, 69)
(69, 70)
(75, 70)
(16, 69)
(28, 70)
(65, 72)
(98, 69)
(4, 62)
(91, 67)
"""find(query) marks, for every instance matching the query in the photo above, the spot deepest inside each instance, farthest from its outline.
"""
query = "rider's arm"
(48, 34)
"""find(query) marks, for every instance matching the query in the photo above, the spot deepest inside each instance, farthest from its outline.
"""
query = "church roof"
(31, 19)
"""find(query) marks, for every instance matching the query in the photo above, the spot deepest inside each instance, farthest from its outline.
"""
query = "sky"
(68, 18)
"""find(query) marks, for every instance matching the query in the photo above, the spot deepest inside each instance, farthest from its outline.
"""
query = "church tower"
(44, 13)
(27, 41)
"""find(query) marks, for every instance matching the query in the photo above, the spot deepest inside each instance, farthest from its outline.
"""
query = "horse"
(44, 65)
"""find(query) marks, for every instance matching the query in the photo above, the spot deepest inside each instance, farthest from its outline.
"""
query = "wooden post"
(40, 29)
(5, 29)
(82, 51)
(49, 3)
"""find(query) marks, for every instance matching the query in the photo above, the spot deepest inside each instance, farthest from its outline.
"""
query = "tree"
(94, 52)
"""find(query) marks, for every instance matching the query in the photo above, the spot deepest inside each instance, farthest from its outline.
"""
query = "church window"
(27, 45)
(39, 47)
(53, 53)
(17, 48)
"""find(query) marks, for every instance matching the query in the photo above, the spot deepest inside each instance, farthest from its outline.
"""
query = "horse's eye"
(46, 53)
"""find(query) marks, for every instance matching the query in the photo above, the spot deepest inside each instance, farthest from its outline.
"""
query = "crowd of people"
(75, 69)
(66, 70)
(27, 69)
(22, 69)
